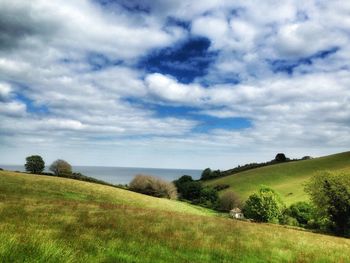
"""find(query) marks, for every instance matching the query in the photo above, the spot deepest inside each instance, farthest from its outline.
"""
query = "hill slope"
(48, 219)
(286, 178)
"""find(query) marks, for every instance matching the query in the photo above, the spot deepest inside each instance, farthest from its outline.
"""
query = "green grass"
(49, 219)
(287, 178)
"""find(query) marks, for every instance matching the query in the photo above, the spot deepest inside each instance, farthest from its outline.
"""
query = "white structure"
(236, 213)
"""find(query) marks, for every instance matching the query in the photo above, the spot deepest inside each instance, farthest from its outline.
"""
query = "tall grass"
(97, 224)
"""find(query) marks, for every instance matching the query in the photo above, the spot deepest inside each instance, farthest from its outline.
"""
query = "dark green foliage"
(280, 157)
(181, 184)
(194, 192)
(1, 169)
(209, 174)
(330, 193)
(228, 201)
(303, 212)
(208, 197)
(264, 206)
(35, 164)
(206, 174)
(220, 187)
(307, 157)
(288, 220)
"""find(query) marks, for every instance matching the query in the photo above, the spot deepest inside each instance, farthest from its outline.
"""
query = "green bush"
(288, 220)
(264, 206)
(303, 212)
(220, 187)
(208, 197)
(195, 192)
(330, 193)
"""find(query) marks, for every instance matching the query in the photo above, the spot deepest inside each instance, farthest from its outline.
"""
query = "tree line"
(208, 173)
(35, 164)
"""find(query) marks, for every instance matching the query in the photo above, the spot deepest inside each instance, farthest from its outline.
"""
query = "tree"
(209, 197)
(228, 201)
(330, 193)
(35, 164)
(303, 212)
(264, 206)
(60, 167)
(280, 157)
(209, 174)
(206, 174)
(192, 191)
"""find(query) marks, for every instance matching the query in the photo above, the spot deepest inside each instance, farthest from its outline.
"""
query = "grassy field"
(50, 219)
(287, 178)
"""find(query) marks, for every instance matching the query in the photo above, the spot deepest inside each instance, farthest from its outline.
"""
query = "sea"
(121, 175)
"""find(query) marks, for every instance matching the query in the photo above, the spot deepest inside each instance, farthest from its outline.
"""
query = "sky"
(173, 84)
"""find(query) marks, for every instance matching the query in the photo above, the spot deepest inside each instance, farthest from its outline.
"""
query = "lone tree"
(60, 167)
(330, 193)
(280, 157)
(264, 206)
(35, 164)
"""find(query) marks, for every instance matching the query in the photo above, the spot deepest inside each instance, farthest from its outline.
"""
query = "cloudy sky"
(173, 83)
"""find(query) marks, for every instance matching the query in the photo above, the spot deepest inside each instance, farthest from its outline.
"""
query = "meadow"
(50, 219)
(286, 178)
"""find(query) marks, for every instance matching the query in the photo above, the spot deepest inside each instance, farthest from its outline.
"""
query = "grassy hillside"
(286, 178)
(49, 219)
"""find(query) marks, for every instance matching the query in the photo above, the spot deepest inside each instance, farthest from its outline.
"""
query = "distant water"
(121, 175)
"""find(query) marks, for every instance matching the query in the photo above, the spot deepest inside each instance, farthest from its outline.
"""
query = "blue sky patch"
(288, 66)
(206, 122)
(31, 106)
(185, 61)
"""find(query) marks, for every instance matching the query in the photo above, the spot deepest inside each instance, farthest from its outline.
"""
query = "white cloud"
(45, 52)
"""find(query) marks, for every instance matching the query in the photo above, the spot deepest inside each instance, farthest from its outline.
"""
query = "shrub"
(288, 220)
(228, 201)
(194, 192)
(264, 206)
(60, 167)
(330, 193)
(303, 212)
(208, 197)
(154, 186)
(35, 164)
(220, 187)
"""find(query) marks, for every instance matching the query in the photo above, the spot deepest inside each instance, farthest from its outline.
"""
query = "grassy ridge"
(286, 178)
(47, 219)
(18, 186)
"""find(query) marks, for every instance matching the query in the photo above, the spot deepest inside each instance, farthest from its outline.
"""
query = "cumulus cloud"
(69, 72)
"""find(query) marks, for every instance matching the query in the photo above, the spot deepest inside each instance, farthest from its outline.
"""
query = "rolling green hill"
(286, 178)
(50, 219)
